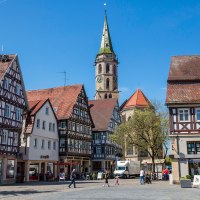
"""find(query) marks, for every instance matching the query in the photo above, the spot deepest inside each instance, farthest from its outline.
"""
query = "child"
(117, 180)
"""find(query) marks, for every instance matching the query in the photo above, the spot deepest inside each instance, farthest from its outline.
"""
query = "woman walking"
(106, 179)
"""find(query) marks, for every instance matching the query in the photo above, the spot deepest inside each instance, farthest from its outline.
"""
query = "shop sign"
(44, 156)
(196, 181)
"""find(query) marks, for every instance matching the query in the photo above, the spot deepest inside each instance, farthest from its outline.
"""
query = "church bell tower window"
(107, 83)
(100, 69)
(107, 68)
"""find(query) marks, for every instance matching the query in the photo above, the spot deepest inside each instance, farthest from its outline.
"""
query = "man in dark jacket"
(72, 177)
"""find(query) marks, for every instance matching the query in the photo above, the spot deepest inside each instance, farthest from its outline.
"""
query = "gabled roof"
(106, 44)
(62, 98)
(183, 84)
(4, 64)
(34, 106)
(183, 68)
(138, 100)
(101, 111)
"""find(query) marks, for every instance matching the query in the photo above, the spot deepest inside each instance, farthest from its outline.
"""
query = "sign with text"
(196, 181)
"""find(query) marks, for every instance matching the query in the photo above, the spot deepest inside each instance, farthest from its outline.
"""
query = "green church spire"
(106, 44)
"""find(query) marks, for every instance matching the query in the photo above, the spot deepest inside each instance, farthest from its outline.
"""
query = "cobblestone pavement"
(128, 189)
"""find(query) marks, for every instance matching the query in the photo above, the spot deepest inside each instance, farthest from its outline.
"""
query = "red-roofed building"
(40, 144)
(74, 125)
(183, 101)
(106, 117)
(13, 104)
(140, 101)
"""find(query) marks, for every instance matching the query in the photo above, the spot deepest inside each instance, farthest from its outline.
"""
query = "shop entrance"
(20, 172)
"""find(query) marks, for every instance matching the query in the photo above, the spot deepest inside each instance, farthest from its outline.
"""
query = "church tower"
(106, 64)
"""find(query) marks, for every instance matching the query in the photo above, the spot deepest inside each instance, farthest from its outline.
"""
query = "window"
(110, 96)
(100, 69)
(17, 89)
(43, 125)
(5, 84)
(15, 139)
(42, 144)
(105, 96)
(7, 111)
(107, 68)
(49, 144)
(198, 114)
(50, 126)
(73, 126)
(18, 114)
(35, 143)
(54, 145)
(63, 124)
(4, 137)
(53, 127)
(130, 151)
(107, 83)
(114, 70)
(183, 114)
(62, 142)
(38, 123)
(193, 147)
(47, 111)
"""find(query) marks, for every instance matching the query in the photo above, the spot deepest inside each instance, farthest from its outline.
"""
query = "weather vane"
(105, 6)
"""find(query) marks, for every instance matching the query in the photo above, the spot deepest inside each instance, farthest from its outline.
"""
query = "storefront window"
(50, 168)
(33, 171)
(194, 167)
(10, 169)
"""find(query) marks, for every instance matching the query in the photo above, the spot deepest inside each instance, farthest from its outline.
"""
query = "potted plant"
(186, 182)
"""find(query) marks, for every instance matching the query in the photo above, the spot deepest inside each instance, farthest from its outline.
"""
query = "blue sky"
(52, 36)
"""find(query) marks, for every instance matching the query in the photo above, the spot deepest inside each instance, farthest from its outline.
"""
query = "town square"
(99, 99)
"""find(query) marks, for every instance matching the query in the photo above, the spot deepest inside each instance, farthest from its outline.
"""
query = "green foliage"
(168, 161)
(147, 130)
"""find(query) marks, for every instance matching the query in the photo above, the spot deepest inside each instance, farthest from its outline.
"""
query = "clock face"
(99, 79)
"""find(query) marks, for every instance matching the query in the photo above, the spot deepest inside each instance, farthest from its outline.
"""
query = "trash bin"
(170, 179)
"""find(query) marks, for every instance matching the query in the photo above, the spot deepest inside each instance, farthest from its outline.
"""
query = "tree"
(147, 130)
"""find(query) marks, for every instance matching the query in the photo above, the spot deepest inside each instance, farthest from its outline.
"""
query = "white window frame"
(42, 144)
(7, 110)
(43, 125)
(49, 144)
(18, 114)
(38, 123)
(6, 84)
(17, 89)
(184, 109)
(35, 143)
(4, 137)
(196, 110)
(47, 110)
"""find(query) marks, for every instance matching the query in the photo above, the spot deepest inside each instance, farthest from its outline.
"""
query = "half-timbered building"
(13, 104)
(106, 116)
(74, 125)
(183, 101)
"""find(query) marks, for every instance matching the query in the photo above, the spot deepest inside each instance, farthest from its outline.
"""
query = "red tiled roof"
(184, 80)
(184, 68)
(62, 98)
(34, 108)
(138, 99)
(4, 65)
(183, 92)
(101, 112)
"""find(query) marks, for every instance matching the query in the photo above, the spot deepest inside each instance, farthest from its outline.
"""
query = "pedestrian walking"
(106, 179)
(116, 180)
(72, 178)
(141, 176)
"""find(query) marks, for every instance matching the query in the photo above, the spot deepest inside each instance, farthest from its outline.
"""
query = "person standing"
(106, 179)
(73, 177)
(116, 180)
(141, 176)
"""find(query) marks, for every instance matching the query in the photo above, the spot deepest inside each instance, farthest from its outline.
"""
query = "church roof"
(62, 99)
(106, 44)
(101, 111)
(138, 100)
